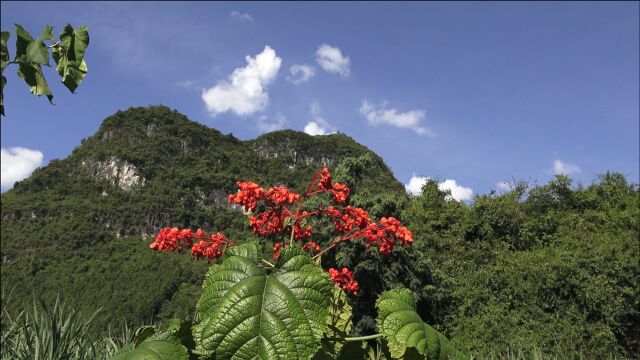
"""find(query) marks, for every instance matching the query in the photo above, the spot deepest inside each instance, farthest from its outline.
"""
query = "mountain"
(80, 226)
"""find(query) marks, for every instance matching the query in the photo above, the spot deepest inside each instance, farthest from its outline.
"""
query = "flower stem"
(333, 244)
(293, 231)
(360, 338)
(268, 263)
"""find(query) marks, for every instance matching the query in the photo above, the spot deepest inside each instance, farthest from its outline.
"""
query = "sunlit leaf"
(246, 313)
(408, 337)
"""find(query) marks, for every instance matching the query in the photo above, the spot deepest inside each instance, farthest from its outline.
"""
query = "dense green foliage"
(554, 268)
(551, 269)
(31, 54)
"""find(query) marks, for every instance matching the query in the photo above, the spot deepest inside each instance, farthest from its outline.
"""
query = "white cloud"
(504, 186)
(562, 168)
(17, 164)
(318, 125)
(241, 16)
(458, 192)
(306, 72)
(414, 187)
(244, 91)
(331, 59)
(380, 114)
(264, 125)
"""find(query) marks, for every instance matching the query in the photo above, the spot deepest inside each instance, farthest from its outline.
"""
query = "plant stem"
(293, 231)
(360, 338)
(325, 250)
(268, 263)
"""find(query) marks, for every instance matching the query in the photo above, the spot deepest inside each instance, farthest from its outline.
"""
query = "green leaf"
(405, 331)
(250, 251)
(69, 56)
(33, 76)
(30, 51)
(4, 51)
(338, 325)
(4, 82)
(4, 61)
(246, 314)
(162, 346)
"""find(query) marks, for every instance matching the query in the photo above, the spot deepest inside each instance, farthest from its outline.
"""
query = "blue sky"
(474, 93)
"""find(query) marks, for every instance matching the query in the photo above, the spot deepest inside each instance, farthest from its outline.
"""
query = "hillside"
(81, 225)
(550, 270)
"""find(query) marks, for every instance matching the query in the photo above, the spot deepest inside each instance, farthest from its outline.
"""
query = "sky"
(475, 95)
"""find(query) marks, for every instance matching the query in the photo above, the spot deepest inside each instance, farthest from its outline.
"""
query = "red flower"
(209, 246)
(311, 245)
(345, 280)
(248, 195)
(276, 250)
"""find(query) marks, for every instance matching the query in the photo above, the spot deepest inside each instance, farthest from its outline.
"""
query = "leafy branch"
(68, 53)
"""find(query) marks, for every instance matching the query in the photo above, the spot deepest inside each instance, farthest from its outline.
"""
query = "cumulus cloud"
(244, 91)
(300, 73)
(562, 168)
(236, 15)
(331, 59)
(318, 125)
(415, 184)
(458, 192)
(504, 186)
(17, 164)
(380, 114)
(265, 125)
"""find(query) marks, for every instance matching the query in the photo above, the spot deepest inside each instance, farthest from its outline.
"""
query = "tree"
(31, 54)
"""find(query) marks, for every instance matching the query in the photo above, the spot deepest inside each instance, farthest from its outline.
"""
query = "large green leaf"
(406, 334)
(165, 345)
(4, 51)
(33, 76)
(4, 61)
(69, 56)
(30, 51)
(247, 313)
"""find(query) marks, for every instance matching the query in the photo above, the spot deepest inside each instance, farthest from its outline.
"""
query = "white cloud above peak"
(236, 15)
(380, 114)
(318, 125)
(332, 60)
(300, 73)
(17, 164)
(458, 192)
(244, 90)
(562, 168)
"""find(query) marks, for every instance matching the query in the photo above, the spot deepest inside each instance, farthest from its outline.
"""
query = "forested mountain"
(553, 267)
(81, 226)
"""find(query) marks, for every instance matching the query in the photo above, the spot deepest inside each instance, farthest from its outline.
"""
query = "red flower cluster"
(340, 191)
(279, 210)
(345, 280)
(350, 218)
(209, 246)
(311, 245)
(385, 233)
(248, 196)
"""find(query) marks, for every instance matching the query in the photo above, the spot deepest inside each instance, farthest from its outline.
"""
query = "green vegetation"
(549, 271)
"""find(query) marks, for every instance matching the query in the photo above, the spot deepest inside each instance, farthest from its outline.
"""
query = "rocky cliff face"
(117, 171)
